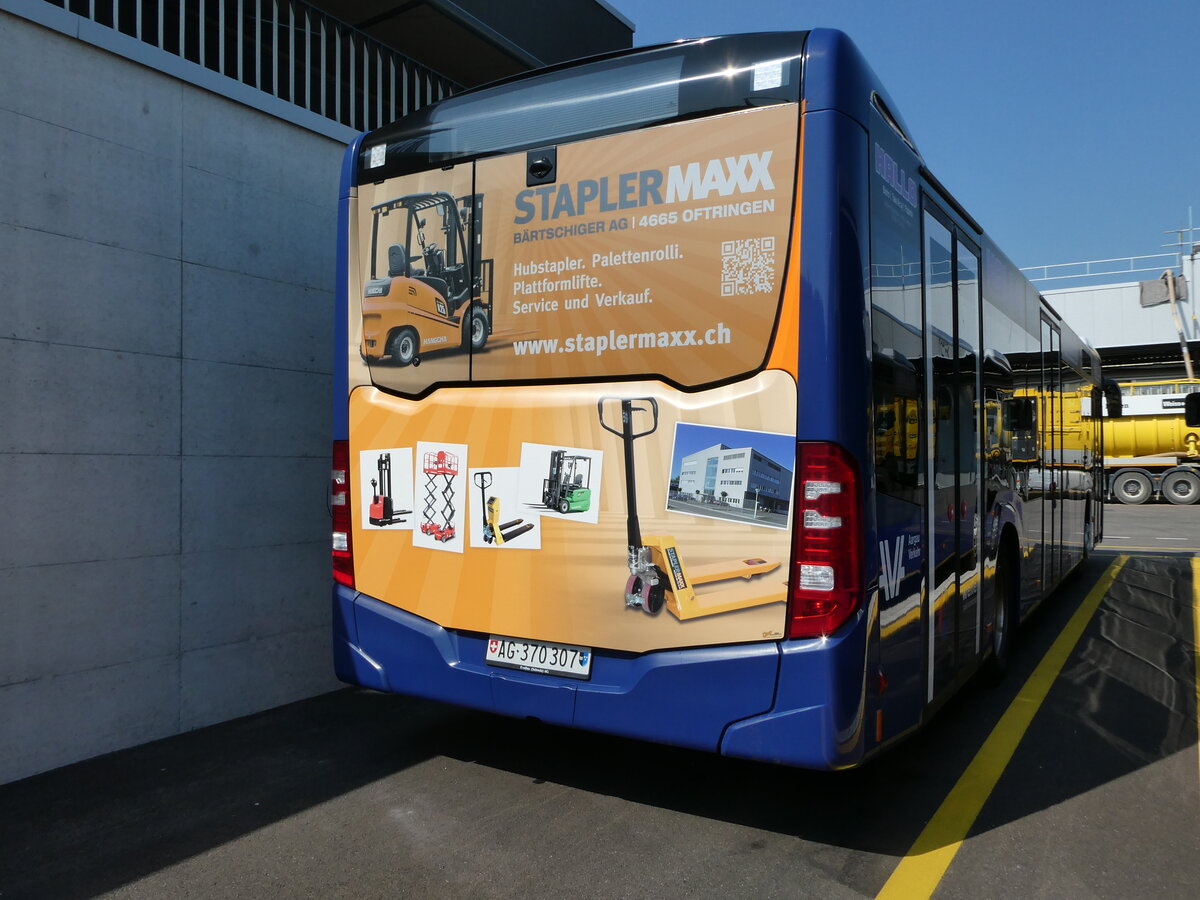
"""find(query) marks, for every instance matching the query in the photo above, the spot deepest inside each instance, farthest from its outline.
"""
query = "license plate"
(539, 656)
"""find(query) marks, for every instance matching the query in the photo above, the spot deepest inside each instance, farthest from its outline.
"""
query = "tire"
(1005, 618)
(1133, 488)
(564, 506)
(475, 332)
(402, 347)
(1181, 488)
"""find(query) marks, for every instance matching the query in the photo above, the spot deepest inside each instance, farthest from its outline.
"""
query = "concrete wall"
(1111, 315)
(166, 269)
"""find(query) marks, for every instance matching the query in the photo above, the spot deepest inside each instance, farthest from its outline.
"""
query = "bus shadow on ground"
(1124, 700)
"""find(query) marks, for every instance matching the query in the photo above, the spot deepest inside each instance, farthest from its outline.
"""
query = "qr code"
(748, 266)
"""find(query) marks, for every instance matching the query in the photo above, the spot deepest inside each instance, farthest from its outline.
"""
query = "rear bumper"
(719, 699)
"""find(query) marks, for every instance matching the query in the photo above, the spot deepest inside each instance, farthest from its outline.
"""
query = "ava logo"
(583, 658)
(893, 568)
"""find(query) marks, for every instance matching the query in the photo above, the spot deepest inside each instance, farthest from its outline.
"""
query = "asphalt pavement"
(370, 795)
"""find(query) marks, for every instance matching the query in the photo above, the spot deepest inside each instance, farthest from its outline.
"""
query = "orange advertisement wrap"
(506, 510)
(657, 253)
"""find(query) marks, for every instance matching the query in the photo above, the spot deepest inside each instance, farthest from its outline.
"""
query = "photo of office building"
(736, 476)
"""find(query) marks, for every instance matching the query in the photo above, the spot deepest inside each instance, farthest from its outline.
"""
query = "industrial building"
(736, 476)
(1144, 329)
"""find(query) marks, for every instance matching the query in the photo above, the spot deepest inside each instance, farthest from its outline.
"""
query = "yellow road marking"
(919, 873)
(1160, 549)
(1196, 630)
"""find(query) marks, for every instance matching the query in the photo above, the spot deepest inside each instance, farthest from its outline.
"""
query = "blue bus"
(676, 398)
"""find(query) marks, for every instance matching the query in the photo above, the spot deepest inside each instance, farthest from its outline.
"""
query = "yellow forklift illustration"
(430, 298)
(657, 575)
(493, 530)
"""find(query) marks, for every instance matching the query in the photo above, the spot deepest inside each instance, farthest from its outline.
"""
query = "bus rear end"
(569, 482)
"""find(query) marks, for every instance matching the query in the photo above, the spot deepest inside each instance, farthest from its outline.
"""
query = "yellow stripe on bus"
(919, 873)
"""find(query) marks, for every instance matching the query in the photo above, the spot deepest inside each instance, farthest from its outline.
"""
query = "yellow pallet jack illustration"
(657, 574)
(493, 530)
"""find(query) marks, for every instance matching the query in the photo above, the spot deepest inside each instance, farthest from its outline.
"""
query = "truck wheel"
(1181, 488)
(403, 347)
(1132, 488)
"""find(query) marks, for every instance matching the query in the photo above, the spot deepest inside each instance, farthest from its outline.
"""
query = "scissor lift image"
(440, 468)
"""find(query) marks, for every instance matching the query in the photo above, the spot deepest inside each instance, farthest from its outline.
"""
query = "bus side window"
(897, 438)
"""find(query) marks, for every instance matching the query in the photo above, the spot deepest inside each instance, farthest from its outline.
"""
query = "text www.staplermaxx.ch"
(643, 340)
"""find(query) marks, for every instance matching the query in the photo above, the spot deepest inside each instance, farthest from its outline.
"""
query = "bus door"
(1051, 441)
(951, 335)
(969, 425)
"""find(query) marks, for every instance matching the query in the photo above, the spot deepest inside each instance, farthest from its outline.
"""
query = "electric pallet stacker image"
(567, 487)
(443, 304)
(381, 511)
(440, 467)
(493, 531)
(657, 575)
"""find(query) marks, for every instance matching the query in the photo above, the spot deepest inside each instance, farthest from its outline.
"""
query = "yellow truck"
(1150, 449)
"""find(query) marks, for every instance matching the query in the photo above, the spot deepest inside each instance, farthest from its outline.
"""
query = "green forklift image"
(567, 488)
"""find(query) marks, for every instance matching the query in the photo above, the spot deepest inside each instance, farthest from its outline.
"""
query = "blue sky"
(1069, 129)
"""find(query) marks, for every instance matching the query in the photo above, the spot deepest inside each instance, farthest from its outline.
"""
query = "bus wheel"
(1181, 488)
(475, 335)
(403, 346)
(1132, 487)
(1004, 620)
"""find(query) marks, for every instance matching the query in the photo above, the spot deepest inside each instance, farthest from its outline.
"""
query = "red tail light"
(339, 505)
(827, 555)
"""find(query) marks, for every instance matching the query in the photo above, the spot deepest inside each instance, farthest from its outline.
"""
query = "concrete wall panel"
(62, 620)
(289, 415)
(218, 683)
(58, 180)
(243, 145)
(244, 501)
(232, 596)
(262, 322)
(125, 107)
(87, 508)
(241, 227)
(58, 719)
(87, 294)
(102, 402)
